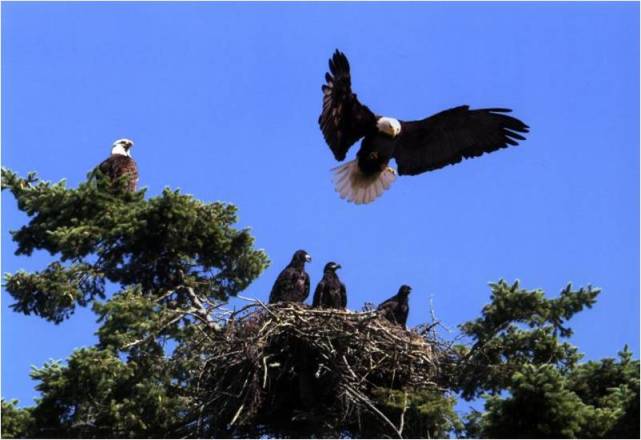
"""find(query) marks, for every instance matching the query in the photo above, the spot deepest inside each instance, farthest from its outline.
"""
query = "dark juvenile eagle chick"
(120, 164)
(293, 282)
(397, 307)
(442, 139)
(330, 292)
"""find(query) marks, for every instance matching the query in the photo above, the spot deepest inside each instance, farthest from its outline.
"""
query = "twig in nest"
(349, 368)
(371, 406)
(346, 354)
(240, 409)
(262, 304)
(265, 373)
(401, 424)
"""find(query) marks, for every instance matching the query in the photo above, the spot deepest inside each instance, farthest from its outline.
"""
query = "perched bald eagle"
(120, 164)
(330, 291)
(293, 282)
(417, 146)
(396, 308)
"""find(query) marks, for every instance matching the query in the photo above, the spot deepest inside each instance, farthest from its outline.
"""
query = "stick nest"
(283, 367)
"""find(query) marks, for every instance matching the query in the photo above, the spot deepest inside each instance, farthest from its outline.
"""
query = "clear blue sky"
(222, 102)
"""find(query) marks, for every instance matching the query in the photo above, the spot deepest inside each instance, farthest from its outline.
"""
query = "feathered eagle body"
(330, 292)
(376, 151)
(119, 168)
(396, 309)
(443, 139)
(292, 283)
(118, 165)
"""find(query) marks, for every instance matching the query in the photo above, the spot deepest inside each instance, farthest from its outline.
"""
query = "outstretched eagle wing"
(452, 135)
(344, 120)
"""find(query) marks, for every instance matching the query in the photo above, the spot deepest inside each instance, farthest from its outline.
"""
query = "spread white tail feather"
(356, 187)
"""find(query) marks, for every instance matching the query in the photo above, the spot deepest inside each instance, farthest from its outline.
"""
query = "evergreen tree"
(155, 270)
(171, 259)
(531, 380)
(16, 422)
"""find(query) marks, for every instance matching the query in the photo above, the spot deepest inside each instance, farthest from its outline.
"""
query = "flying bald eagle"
(330, 291)
(396, 308)
(293, 282)
(417, 146)
(119, 164)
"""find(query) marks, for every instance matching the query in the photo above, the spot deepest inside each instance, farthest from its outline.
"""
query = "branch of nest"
(268, 363)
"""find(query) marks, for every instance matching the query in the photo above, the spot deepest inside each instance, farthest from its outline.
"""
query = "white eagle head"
(122, 146)
(388, 126)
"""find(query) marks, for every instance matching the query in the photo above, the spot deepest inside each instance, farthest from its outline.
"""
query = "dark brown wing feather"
(306, 287)
(291, 285)
(330, 292)
(318, 294)
(343, 120)
(387, 309)
(343, 296)
(450, 136)
(395, 310)
(118, 165)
